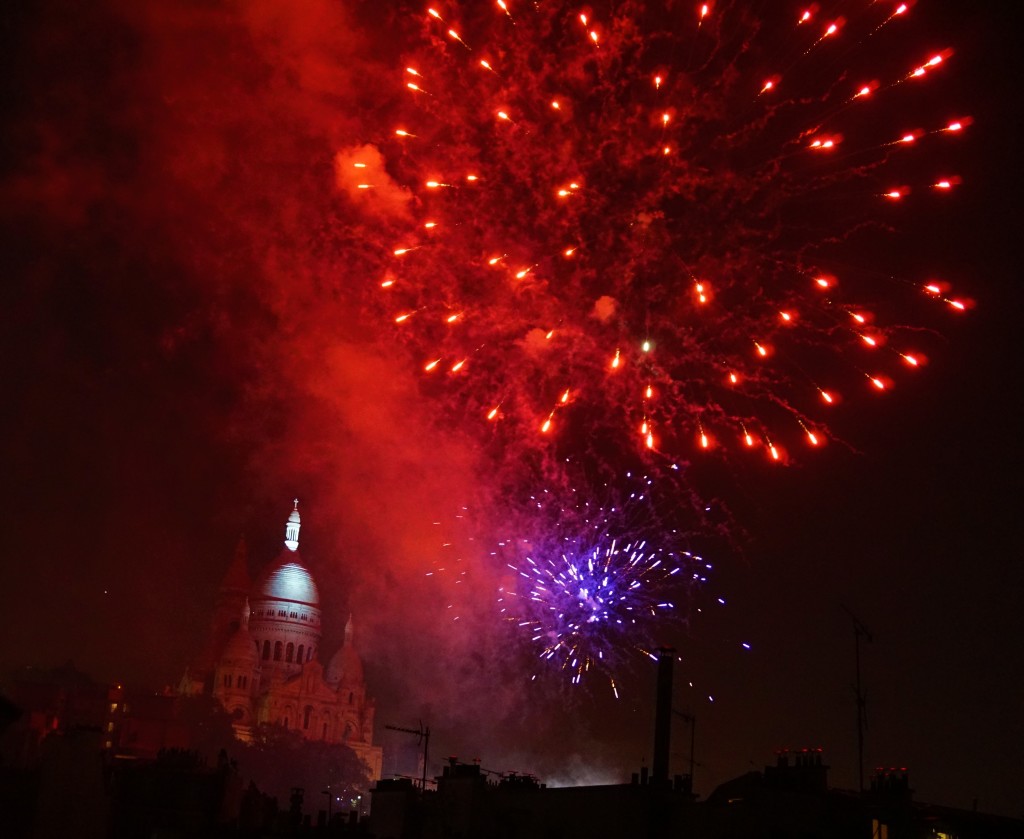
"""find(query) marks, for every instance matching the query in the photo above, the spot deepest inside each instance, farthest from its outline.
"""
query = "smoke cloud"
(182, 176)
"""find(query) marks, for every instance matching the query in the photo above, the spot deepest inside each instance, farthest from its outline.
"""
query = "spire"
(291, 529)
(237, 576)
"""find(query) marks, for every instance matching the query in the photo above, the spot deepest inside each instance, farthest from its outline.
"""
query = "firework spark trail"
(586, 587)
(587, 605)
(606, 240)
(596, 586)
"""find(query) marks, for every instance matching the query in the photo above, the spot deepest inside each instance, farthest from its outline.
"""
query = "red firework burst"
(648, 220)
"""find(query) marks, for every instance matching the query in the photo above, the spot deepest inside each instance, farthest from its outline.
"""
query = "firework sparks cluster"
(588, 598)
(636, 222)
(642, 232)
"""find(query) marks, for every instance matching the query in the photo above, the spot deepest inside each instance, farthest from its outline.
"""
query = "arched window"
(306, 715)
(325, 732)
(284, 722)
(266, 651)
(298, 655)
(351, 697)
(277, 650)
(309, 653)
(289, 651)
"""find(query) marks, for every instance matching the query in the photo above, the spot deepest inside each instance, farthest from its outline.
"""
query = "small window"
(280, 613)
(293, 614)
(305, 617)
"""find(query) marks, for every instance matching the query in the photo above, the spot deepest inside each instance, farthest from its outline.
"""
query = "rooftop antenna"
(859, 631)
(424, 735)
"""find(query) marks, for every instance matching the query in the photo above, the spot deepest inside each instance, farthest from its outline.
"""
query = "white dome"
(289, 581)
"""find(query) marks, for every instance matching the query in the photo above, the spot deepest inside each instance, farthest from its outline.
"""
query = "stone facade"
(262, 659)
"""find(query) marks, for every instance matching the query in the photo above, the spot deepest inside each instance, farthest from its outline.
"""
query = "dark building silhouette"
(467, 803)
(790, 800)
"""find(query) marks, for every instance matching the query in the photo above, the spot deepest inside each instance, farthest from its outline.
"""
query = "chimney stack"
(663, 718)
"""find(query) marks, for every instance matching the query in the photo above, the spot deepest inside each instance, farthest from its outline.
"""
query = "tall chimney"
(663, 718)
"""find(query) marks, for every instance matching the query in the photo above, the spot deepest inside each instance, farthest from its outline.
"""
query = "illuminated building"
(262, 660)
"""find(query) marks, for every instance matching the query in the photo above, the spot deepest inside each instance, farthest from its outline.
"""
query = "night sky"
(182, 354)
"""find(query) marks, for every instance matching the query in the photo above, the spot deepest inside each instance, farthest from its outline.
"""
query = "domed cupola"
(240, 648)
(285, 621)
(291, 529)
(288, 580)
(237, 675)
(345, 666)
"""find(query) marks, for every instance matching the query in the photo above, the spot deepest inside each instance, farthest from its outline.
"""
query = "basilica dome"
(288, 580)
(285, 619)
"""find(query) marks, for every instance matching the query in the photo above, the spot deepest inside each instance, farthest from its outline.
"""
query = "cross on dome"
(291, 528)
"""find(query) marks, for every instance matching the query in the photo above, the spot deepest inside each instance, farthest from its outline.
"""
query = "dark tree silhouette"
(209, 727)
(279, 759)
